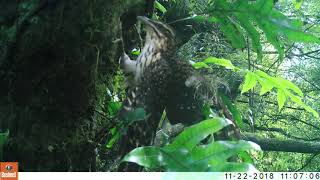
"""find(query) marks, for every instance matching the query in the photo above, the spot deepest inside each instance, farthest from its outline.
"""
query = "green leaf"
(202, 158)
(281, 98)
(199, 65)
(217, 153)
(192, 135)
(150, 157)
(249, 82)
(245, 156)
(233, 109)
(295, 99)
(220, 151)
(266, 86)
(160, 7)
(218, 61)
(289, 85)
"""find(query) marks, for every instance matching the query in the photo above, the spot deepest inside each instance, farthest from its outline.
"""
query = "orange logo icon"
(9, 171)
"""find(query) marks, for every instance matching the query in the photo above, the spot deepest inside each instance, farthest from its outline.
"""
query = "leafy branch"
(284, 89)
(187, 153)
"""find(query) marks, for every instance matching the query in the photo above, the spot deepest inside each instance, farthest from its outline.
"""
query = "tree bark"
(289, 145)
(59, 53)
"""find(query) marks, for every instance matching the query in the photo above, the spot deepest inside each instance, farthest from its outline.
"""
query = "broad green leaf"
(201, 159)
(295, 99)
(281, 98)
(185, 155)
(266, 86)
(150, 157)
(233, 109)
(249, 82)
(218, 61)
(160, 7)
(199, 65)
(220, 151)
(245, 157)
(262, 74)
(192, 135)
(289, 85)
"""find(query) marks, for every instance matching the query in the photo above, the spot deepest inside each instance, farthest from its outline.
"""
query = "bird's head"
(161, 34)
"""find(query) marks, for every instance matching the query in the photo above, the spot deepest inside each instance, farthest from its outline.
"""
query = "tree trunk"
(48, 79)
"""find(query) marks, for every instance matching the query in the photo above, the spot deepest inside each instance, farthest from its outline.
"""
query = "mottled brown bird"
(160, 84)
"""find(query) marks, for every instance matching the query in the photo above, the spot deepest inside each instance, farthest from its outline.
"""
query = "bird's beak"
(148, 22)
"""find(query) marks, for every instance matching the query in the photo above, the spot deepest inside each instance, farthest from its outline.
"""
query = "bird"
(159, 84)
(159, 41)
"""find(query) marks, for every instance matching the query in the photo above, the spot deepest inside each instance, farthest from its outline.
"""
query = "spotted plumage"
(159, 38)
(159, 85)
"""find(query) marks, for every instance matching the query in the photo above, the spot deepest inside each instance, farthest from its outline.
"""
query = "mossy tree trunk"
(48, 79)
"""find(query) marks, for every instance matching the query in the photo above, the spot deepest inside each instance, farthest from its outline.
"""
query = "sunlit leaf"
(289, 85)
(199, 65)
(150, 157)
(249, 82)
(192, 135)
(281, 98)
(218, 61)
(245, 157)
(266, 86)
